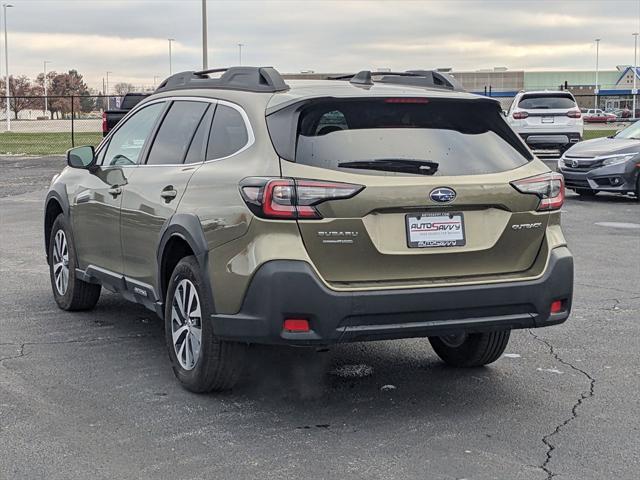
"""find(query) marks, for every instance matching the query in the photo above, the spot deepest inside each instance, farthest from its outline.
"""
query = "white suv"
(547, 119)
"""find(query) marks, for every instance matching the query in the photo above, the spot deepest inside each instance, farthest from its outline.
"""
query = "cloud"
(129, 37)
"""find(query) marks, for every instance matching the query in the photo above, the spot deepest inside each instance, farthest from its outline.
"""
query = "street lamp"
(46, 105)
(170, 64)
(596, 88)
(205, 61)
(635, 73)
(240, 45)
(6, 64)
(106, 90)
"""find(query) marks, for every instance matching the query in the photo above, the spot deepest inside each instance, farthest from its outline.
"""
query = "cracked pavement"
(92, 395)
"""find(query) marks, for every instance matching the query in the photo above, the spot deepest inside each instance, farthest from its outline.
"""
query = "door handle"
(168, 193)
(115, 191)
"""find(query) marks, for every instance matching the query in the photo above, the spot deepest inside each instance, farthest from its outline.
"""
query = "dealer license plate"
(435, 230)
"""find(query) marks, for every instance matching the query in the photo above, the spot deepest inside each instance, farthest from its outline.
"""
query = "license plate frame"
(548, 120)
(457, 238)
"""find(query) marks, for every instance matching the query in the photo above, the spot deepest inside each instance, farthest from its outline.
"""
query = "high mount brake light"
(574, 114)
(406, 100)
(520, 115)
(549, 187)
(290, 199)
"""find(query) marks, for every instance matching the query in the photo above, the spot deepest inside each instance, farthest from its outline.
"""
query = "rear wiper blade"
(421, 167)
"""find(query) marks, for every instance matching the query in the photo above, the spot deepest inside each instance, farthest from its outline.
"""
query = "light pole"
(205, 63)
(596, 88)
(240, 45)
(170, 64)
(44, 82)
(635, 73)
(6, 65)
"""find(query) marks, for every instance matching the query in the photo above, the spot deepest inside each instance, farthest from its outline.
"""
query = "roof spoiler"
(414, 78)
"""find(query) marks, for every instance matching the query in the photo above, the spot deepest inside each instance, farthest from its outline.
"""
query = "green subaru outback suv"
(246, 210)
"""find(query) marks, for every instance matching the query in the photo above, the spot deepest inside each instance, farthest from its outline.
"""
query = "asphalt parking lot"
(92, 395)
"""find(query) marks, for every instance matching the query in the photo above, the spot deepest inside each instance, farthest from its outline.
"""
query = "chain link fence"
(51, 125)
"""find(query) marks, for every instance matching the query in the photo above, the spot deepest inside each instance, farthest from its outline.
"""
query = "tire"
(214, 365)
(586, 192)
(471, 350)
(638, 188)
(69, 292)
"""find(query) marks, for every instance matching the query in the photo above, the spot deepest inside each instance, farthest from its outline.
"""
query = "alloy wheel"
(454, 340)
(186, 324)
(61, 262)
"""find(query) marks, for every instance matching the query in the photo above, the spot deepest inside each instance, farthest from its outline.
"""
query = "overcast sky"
(129, 38)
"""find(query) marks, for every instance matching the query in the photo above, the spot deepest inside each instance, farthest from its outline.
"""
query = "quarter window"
(228, 133)
(127, 142)
(176, 132)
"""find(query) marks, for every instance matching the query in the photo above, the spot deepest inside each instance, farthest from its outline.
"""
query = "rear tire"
(586, 192)
(201, 361)
(638, 188)
(69, 292)
(471, 350)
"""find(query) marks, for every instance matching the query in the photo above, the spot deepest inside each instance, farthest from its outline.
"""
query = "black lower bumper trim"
(290, 289)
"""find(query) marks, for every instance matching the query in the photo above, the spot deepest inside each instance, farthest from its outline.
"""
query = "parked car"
(609, 164)
(111, 117)
(595, 115)
(242, 209)
(546, 119)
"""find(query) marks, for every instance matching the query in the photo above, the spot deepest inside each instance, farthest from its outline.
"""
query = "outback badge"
(442, 195)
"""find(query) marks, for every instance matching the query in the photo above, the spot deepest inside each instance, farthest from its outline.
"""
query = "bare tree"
(123, 88)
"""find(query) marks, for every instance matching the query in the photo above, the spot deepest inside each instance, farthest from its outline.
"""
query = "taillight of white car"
(549, 187)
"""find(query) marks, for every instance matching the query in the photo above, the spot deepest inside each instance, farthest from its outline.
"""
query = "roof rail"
(248, 79)
(416, 78)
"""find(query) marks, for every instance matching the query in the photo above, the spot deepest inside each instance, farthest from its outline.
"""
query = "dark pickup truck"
(111, 117)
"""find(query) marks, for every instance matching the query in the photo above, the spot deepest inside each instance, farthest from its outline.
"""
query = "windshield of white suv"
(546, 102)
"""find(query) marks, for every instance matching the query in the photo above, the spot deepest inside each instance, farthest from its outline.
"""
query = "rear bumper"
(550, 139)
(290, 289)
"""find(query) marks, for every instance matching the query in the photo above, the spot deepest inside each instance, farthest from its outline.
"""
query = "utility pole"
(170, 62)
(6, 65)
(205, 62)
(635, 73)
(46, 105)
(240, 45)
(596, 89)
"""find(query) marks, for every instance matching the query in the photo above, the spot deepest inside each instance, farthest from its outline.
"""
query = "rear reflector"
(549, 187)
(295, 325)
(556, 307)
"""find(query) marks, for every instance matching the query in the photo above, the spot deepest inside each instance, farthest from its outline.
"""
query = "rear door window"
(228, 133)
(176, 132)
(453, 137)
(546, 102)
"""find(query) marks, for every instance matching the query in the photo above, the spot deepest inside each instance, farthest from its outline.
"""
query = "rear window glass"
(458, 137)
(546, 102)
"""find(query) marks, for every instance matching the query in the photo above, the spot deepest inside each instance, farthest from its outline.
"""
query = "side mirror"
(81, 157)
(505, 113)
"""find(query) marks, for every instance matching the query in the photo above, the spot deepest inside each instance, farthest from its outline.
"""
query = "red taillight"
(286, 198)
(556, 306)
(406, 100)
(574, 114)
(297, 325)
(104, 122)
(549, 187)
(520, 115)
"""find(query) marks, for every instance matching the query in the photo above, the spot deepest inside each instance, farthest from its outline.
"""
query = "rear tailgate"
(398, 230)
(366, 238)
